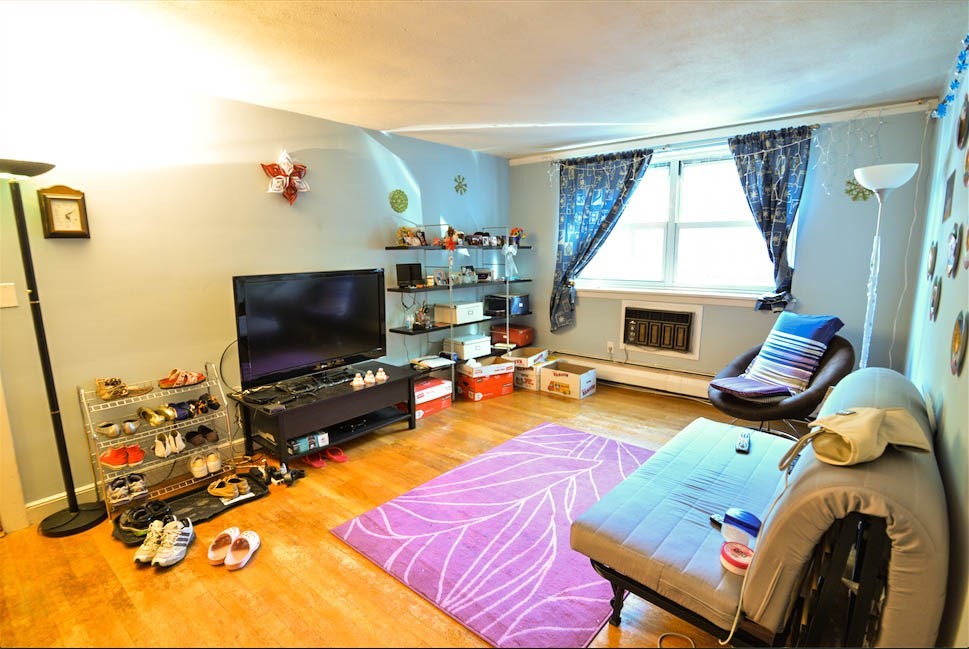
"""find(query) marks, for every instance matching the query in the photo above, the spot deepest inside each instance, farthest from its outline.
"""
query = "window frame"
(672, 227)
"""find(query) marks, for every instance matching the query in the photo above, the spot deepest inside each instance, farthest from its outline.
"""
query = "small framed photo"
(422, 237)
(64, 213)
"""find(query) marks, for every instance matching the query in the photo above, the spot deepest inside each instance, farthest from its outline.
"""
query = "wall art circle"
(935, 299)
(963, 133)
(965, 253)
(955, 246)
(965, 172)
(398, 200)
(959, 334)
(930, 263)
(460, 184)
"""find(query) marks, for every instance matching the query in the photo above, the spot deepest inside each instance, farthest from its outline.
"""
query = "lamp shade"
(23, 167)
(885, 176)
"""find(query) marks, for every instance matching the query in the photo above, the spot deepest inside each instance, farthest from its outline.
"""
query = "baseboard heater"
(683, 383)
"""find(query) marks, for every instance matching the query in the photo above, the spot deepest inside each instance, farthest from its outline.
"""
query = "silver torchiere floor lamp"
(77, 517)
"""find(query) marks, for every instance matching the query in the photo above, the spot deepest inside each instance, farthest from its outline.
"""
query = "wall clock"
(63, 212)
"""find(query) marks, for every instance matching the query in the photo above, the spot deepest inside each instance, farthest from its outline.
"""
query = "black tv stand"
(336, 409)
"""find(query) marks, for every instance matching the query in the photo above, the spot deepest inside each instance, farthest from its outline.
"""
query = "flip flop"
(315, 459)
(336, 454)
(242, 550)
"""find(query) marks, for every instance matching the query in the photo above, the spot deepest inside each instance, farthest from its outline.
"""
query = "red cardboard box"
(431, 388)
(520, 335)
(428, 408)
(485, 387)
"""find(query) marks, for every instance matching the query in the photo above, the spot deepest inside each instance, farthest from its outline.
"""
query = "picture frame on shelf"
(63, 213)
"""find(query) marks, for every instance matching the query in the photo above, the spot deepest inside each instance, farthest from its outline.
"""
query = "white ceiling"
(518, 78)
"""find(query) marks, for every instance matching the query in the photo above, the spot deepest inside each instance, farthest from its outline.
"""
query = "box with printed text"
(485, 387)
(526, 356)
(526, 378)
(430, 388)
(488, 366)
(567, 379)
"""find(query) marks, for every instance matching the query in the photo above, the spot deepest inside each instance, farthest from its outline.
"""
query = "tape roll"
(735, 557)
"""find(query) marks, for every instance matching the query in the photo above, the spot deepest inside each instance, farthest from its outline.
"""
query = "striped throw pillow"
(793, 349)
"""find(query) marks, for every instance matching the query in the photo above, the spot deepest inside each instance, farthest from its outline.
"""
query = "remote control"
(716, 519)
(743, 442)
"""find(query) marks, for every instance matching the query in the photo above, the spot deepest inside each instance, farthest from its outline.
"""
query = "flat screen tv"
(294, 324)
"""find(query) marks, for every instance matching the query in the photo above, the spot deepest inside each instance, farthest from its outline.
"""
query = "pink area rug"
(488, 542)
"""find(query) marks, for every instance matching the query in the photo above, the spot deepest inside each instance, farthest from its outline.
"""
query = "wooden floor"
(304, 587)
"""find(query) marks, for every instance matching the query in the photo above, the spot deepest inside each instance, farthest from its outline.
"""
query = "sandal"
(221, 544)
(109, 389)
(241, 484)
(336, 454)
(211, 402)
(179, 379)
(315, 460)
(222, 489)
(241, 550)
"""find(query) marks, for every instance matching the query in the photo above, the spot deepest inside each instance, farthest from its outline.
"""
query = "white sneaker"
(198, 467)
(163, 445)
(178, 443)
(176, 537)
(213, 462)
(149, 546)
(118, 492)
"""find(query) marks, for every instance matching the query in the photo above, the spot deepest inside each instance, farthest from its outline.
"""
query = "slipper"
(179, 378)
(336, 454)
(221, 544)
(242, 550)
(109, 389)
(315, 459)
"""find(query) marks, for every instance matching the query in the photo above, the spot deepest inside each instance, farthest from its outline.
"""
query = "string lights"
(962, 62)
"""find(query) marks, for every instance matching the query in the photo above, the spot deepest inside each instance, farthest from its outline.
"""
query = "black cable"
(222, 358)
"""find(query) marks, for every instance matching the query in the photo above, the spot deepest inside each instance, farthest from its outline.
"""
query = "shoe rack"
(168, 476)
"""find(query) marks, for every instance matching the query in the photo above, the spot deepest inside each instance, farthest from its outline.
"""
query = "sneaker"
(135, 521)
(118, 491)
(213, 461)
(198, 467)
(137, 487)
(114, 458)
(178, 442)
(149, 547)
(163, 445)
(135, 454)
(177, 535)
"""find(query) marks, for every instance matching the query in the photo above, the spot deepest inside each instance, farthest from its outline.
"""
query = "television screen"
(293, 324)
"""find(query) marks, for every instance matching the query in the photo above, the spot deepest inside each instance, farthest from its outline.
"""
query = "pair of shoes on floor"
(233, 548)
(126, 488)
(136, 520)
(166, 542)
(202, 466)
(231, 487)
(119, 457)
(202, 435)
(180, 378)
(110, 389)
(168, 444)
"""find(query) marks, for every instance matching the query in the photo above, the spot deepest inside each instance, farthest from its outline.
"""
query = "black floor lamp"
(77, 517)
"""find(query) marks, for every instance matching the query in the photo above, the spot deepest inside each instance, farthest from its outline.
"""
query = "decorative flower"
(286, 177)
(398, 200)
(451, 240)
(518, 232)
(857, 192)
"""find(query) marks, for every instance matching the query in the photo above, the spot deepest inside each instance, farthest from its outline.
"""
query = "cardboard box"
(567, 379)
(526, 378)
(520, 335)
(487, 367)
(428, 408)
(460, 313)
(431, 388)
(526, 356)
(485, 387)
(471, 346)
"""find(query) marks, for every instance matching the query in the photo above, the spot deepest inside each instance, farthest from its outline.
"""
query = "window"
(687, 226)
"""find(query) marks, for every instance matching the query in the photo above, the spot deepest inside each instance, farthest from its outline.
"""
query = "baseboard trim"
(682, 383)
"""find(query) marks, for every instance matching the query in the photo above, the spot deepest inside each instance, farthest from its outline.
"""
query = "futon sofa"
(846, 555)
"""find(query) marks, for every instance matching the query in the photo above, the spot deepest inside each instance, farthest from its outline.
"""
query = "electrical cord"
(222, 360)
(659, 641)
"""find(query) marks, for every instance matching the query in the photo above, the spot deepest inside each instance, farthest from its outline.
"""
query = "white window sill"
(673, 296)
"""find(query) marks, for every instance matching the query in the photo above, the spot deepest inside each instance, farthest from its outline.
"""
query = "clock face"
(65, 215)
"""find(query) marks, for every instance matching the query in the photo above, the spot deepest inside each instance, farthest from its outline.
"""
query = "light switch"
(8, 296)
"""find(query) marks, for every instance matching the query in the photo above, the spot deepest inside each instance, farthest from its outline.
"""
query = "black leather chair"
(837, 362)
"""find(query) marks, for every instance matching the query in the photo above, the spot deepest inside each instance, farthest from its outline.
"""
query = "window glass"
(636, 254)
(721, 257)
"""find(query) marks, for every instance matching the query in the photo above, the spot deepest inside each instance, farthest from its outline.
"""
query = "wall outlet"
(610, 346)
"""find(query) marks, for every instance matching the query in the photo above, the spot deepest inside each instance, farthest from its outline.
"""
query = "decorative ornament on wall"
(955, 246)
(460, 184)
(933, 255)
(286, 177)
(965, 171)
(959, 334)
(857, 192)
(950, 185)
(936, 298)
(962, 63)
(398, 200)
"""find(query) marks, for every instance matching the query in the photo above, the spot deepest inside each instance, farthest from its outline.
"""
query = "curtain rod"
(694, 138)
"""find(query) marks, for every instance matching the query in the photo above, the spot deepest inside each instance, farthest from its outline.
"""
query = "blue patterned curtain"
(772, 166)
(593, 192)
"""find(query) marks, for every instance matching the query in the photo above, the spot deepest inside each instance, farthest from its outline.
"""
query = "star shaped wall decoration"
(286, 177)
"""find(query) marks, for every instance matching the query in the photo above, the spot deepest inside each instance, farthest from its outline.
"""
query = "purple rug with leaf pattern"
(488, 542)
